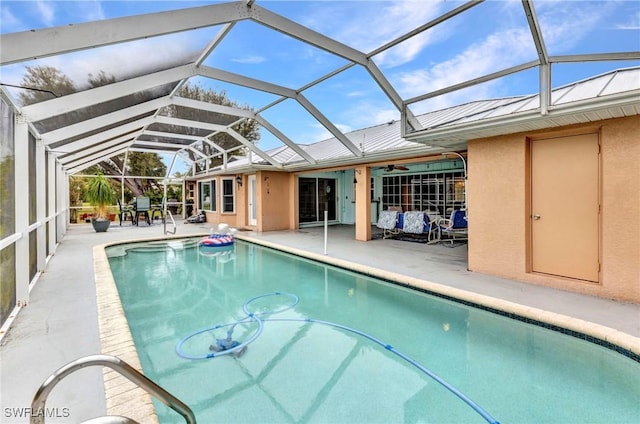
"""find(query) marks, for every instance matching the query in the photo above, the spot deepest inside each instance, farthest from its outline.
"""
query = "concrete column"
(293, 199)
(363, 203)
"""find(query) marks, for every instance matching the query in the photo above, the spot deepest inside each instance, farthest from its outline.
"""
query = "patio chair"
(142, 205)
(421, 223)
(158, 210)
(124, 211)
(454, 228)
(387, 222)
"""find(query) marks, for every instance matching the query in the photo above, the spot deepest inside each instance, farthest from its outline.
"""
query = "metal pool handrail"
(120, 367)
(168, 212)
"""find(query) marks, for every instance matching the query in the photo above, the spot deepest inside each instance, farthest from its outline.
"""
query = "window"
(207, 199)
(214, 196)
(204, 200)
(437, 192)
(228, 195)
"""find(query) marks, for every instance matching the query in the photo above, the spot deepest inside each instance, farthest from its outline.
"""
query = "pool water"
(298, 371)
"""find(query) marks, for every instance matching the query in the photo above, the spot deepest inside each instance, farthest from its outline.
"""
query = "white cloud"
(344, 128)
(315, 133)
(379, 116)
(90, 10)
(366, 114)
(498, 51)
(9, 20)
(565, 23)
(46, 11)
(357, 93)
(632, 23)
(404, 52)
(250, 60)
(367, 25)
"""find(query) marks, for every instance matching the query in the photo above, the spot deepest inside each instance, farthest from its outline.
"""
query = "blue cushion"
(458, 219)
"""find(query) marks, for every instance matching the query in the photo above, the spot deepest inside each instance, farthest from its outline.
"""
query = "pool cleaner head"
(225, 344)
(228, 343)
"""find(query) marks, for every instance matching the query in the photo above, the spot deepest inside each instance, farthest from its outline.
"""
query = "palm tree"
(101, 195)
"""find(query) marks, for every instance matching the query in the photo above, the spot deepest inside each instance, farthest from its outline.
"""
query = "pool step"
(152, 246)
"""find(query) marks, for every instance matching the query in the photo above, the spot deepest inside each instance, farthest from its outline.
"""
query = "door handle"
(535, 217)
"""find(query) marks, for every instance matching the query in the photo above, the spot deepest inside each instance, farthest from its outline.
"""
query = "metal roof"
(612, 95)
(143, 112)
(464, 122)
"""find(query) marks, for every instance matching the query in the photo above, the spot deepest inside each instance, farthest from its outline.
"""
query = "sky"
(490, 37)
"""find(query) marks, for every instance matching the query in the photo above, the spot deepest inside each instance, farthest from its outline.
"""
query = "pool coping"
(126, 399)
(123, 397)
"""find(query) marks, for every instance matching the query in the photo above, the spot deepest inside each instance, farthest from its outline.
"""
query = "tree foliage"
(100, 194)
(47, 78)
(53, 80)
(247, 128)
(101, 79)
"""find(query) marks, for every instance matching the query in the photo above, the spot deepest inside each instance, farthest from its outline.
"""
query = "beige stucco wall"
(498, 206)
(237, 218)
(621, 208)
(273, 198)
(363, 203)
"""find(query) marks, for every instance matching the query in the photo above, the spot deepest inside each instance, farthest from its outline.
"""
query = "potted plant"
(101, 195)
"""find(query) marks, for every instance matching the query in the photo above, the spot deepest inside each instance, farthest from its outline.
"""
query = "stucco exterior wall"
(496, 205)
(621, 208)
(233, 219)
(363, 203)
(498, 194)
(273, 200)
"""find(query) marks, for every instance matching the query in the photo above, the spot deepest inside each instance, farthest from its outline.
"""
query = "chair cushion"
(413, 222)
(387, 220)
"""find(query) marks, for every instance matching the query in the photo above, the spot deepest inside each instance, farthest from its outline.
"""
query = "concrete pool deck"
(61, 322)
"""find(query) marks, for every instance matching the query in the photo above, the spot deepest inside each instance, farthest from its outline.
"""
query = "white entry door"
(253, 213)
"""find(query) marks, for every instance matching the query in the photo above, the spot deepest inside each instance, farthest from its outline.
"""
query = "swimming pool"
(305, 371)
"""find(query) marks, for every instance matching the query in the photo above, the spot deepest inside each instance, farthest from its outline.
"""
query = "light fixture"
(464, 167)
(355, 181)
(464, 162)
(239, 180)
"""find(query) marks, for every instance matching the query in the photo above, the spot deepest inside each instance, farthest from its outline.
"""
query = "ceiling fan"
(390, 168)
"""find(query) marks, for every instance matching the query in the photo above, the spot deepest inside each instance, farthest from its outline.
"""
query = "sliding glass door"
(316, 195)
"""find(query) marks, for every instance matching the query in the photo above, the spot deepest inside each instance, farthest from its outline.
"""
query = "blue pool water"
(300, 369)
